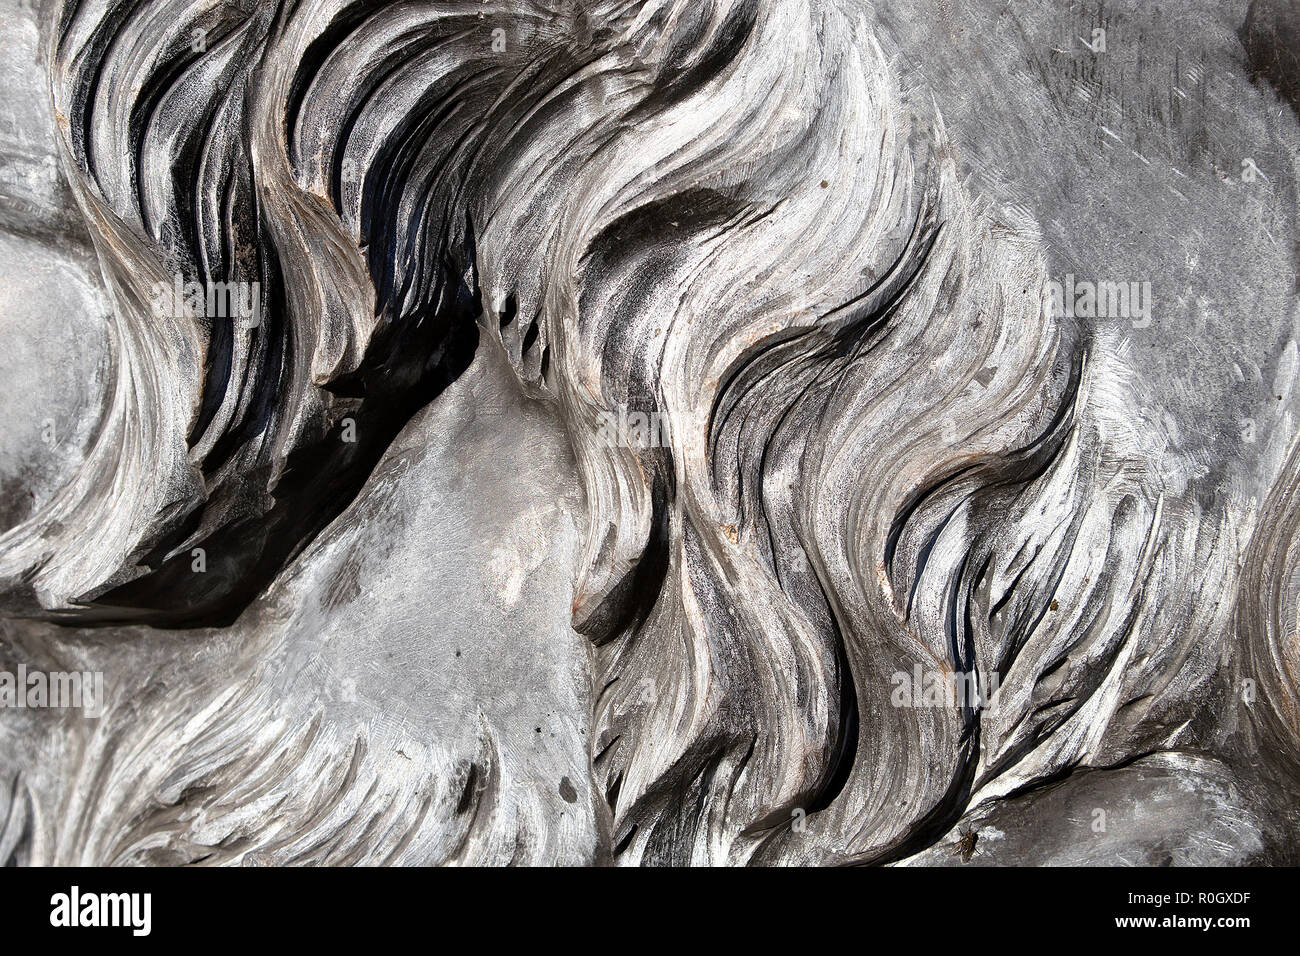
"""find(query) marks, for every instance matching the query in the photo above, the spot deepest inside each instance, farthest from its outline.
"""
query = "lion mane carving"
(882, 454)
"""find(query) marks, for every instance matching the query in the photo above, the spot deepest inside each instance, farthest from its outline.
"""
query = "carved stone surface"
(650, 431)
